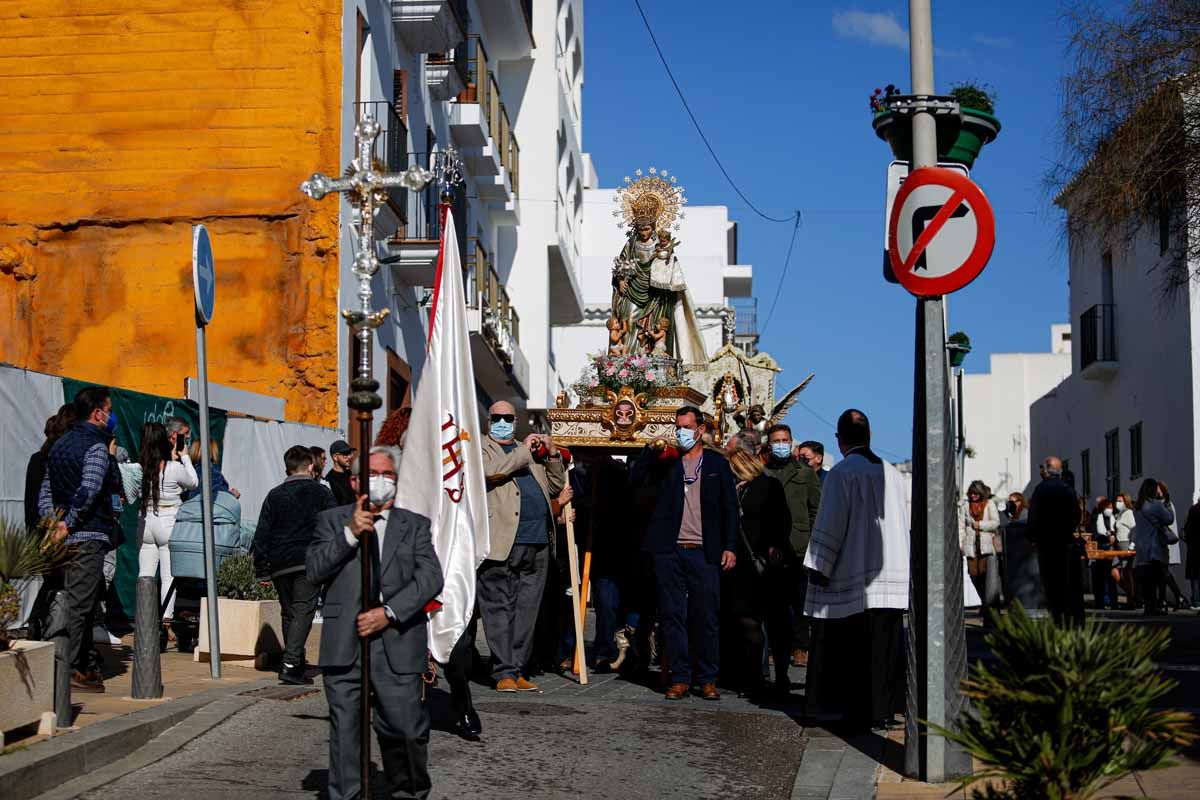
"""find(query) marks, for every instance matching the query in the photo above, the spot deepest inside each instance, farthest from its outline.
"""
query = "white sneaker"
(100, 635)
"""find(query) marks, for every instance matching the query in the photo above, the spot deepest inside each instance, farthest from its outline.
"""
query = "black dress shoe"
(295, 676)
(468, 726)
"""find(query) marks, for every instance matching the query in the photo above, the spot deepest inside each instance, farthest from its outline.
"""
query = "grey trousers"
(297, 606)
(72, 613)
(510, 595)
(401, 722)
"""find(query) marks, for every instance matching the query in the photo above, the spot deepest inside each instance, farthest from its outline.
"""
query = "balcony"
(391, 147)
(745, 328)
(509, 26)
(566, 296)
(1098, 342)
(480, 124)
(446, 74)
(495, 329)
(413, 248)
(738, 280)
(430, 26)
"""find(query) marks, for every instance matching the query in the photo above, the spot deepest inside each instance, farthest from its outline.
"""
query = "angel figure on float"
(647, 279)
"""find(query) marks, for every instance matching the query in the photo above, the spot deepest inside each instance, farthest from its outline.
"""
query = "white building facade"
(720, 287)
(996, 412)
(499, 82)
(1128, 410)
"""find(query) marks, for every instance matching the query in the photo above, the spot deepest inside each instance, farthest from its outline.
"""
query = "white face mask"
(1108, 512)
(1120, 505)
(383, 489)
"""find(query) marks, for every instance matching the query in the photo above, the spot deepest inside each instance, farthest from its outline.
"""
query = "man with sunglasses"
(692, 535)
(521, 479)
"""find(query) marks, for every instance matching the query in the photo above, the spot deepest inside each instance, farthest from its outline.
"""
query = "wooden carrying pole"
(365, 542)
(573, 557)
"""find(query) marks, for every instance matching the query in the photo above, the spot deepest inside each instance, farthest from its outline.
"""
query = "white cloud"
(993, 41)
(871, 27)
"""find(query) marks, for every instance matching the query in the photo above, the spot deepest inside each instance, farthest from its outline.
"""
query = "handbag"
(976, 566)
(760, 563)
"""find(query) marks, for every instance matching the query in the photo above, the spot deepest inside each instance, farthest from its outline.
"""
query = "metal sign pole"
(210, 551)
(937, 646)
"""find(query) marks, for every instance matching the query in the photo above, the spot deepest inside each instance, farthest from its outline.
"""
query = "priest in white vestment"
(858, 562)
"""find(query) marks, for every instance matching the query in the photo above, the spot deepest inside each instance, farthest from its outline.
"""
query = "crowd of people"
(710, 565)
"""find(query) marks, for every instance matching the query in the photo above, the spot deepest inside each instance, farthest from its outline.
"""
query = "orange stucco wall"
(124, 122)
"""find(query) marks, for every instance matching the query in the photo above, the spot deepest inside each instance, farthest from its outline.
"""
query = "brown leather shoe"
(86, 683)
(799, 658)
(506, 685)
(709, 692)
(678, 691)
(526, 686)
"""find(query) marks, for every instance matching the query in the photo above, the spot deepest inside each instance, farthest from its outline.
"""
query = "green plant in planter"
(977, 96)
(24, 554)
(236, 581)
(959, 345)
(1063, 712)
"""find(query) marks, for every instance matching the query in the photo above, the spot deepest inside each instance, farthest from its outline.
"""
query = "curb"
(52, 763)
(834, 768)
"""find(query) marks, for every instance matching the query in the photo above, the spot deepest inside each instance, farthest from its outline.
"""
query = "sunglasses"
(503, 417)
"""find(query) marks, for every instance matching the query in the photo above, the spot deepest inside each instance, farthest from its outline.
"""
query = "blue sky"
(781, 89)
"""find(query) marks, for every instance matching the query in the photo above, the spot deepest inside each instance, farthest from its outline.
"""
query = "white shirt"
(860, 540)
(176, 478)
(380, 531)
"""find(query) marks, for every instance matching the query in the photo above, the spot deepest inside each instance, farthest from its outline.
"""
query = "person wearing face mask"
(692, 535)
(80, 479)
(521, 479)
(1104, 574)
(407, 578)
(1151, 536)
(802, 488)
(1053, 519)
(1122, 525)
(286, 526)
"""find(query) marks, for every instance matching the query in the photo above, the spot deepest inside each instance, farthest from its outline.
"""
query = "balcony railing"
(391, 147)
(485, 292)
(483, 90)
(1098, 335)
(745, 316)
(418, 211)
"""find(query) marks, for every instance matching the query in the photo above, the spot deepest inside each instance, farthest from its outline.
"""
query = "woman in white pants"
(167, 473)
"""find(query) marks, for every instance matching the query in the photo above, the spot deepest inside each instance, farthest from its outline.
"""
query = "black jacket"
(718, 502)
(1053, 512)
(287, 522)
(766, 520)
(339, 483)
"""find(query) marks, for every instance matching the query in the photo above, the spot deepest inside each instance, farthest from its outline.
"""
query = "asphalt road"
(612, 739)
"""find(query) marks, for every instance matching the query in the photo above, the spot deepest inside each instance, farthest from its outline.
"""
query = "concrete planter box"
(26, 684)
(251, 630)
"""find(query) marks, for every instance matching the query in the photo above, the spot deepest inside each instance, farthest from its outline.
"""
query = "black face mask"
(1010, 508)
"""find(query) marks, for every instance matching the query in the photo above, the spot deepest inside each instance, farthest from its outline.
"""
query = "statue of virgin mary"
(651, 311)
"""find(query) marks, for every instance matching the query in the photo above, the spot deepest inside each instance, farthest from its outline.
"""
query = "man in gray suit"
(408, 578)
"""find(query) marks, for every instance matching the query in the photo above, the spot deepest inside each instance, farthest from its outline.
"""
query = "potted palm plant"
(26, 667)
(1063, 712)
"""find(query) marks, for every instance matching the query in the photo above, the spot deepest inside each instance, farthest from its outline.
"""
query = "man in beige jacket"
(521, 479)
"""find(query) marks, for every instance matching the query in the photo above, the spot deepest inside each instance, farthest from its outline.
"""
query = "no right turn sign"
(941, 232)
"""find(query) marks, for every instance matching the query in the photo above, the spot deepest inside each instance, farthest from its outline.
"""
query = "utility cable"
(779, 289)
(696, 122)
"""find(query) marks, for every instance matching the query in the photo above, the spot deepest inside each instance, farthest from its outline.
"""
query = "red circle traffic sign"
(933, 207)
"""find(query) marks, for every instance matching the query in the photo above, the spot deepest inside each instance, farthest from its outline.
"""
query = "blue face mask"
(502, 430)
(686, 438)
(111, 425)
(781, 450)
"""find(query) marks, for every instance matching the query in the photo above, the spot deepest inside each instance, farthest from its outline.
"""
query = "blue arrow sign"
(204, 277)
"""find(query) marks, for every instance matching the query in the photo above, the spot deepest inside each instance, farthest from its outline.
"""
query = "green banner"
(134, 409)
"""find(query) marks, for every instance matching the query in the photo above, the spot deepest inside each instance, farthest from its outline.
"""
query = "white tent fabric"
(252, 461)
(27, 398)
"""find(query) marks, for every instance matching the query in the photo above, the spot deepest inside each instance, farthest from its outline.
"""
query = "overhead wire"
(782, 275)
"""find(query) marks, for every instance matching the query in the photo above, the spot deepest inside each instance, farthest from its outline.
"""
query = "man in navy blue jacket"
(692, 535)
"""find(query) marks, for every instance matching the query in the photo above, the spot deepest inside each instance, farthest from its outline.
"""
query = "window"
(400, 93)
(1135, 451)
(354, 437)
(1066, 462)
(1112, 463)
(399, 378)
(1085, 469)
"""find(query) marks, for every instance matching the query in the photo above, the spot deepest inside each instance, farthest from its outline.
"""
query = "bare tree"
(1131, 126)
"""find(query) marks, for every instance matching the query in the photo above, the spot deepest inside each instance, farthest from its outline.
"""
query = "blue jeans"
(689, 602)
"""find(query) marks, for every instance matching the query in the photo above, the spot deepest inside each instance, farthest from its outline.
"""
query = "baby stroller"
(187, 560)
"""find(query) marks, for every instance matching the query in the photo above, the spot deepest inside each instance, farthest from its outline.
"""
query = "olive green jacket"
(802, 488)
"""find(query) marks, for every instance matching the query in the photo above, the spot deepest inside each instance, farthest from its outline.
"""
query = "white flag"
(441, 474)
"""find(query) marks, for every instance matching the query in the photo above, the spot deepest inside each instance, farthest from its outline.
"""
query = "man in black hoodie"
(285, 529)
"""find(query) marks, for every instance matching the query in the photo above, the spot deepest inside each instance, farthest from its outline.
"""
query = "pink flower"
(593, 383)
(611, 370)
(650, 375)
(623, 374)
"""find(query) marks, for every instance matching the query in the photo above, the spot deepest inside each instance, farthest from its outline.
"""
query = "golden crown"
(655, 199)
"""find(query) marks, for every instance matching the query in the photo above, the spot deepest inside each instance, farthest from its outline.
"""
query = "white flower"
(653, 171)
(637, 172)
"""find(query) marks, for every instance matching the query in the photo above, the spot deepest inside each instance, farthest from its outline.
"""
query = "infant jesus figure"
(616, 336)
(656, 338)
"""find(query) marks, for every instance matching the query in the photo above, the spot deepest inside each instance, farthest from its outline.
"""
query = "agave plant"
(24, 553)
(1063, 712)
